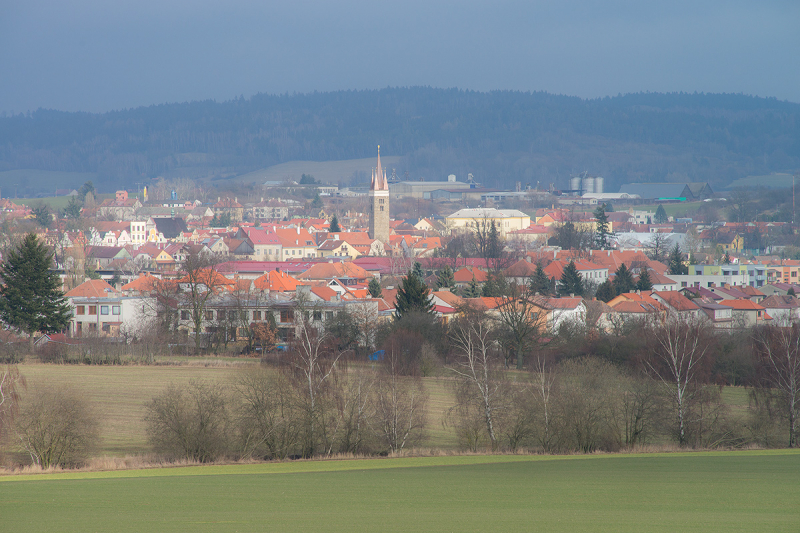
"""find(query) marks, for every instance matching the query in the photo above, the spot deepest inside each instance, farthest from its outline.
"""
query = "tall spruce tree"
(571, 281)
(602, 234)
(335, 228)
(661, 215)
(623, 280)
(676, 266)
(31, 299)
(417, 271)
(445, 279)
(605, 291)
(472, 290)
(374, 288)
(539, 282)
(644, 283)
(412, 296)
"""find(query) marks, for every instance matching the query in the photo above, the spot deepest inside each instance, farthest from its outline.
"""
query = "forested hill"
(501, 137)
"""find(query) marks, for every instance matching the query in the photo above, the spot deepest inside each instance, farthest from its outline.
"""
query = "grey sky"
(96, 55)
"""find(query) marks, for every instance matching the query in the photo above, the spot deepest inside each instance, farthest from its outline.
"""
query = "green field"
(675, 209)
(772, 181)
(703, 492)
(324, 171)
(15, 183)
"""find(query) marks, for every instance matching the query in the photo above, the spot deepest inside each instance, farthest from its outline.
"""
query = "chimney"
(298, 230)
(218, 199)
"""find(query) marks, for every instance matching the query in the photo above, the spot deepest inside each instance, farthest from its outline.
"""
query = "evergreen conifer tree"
(623, 280)
(335, 228)
(445, 279)
(417, 271)
(571, 281)
(605, 291)
(661, 215)
(472, 290)
(31, 299)
(412, 296)
(374, 288)
(726, 259)
(493, 248)
(676, 266)
(601, 228)
(644, 283)
(540, 282)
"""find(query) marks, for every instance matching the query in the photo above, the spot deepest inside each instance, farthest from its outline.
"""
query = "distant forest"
(501, 137)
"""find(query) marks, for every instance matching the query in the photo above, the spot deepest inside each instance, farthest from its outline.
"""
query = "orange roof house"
(276, 281)
(347, 272)
(93, 288)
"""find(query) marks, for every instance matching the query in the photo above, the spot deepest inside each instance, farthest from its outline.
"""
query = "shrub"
(189, 422)
(57, 427)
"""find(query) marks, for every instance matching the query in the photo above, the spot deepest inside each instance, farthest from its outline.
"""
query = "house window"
(106, 328)
(103, 309)
(317, 315)
(256, 315)
(328, 315)
(92, 309)
(287, 315)
(115, 310)
(209, 315)
(92, 326)
(184, 315)
(78, 327)
(221, 314)
(80, 310)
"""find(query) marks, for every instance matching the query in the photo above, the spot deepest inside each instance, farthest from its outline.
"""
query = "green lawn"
(703, 492)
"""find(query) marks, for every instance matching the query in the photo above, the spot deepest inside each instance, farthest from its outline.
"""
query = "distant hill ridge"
(501, 136)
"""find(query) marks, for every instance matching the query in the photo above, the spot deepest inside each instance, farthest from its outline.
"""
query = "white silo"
(598, 185)
(575, 185)
(588, 185)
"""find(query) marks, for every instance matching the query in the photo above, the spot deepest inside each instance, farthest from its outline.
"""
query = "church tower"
(379, 197)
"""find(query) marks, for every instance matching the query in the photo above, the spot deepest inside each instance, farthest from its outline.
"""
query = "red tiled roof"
(93, 288)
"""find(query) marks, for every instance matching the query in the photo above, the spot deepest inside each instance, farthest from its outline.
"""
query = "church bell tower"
(379, 196)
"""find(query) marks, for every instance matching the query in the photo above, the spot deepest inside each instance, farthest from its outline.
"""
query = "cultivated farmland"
(704, 492)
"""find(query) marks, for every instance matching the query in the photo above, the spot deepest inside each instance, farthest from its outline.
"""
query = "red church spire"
(379, 182)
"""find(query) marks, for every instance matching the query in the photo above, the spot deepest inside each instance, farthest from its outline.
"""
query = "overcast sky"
(97, 55)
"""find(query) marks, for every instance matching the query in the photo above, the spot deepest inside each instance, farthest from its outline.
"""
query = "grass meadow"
(704, 492)
(119, 393)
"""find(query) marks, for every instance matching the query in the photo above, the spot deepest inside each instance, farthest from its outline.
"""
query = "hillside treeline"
(501, 136)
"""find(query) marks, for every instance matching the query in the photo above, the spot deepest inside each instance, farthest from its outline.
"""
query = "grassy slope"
(325, 171)
(45, 180)
(724, 491)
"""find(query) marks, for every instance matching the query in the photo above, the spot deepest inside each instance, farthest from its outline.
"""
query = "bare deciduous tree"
(314, 365)
(56, 426)
(678, 350)
(10, 383)
(777, 350)
(267, 414)
(189, 422)
(475, 365)
(399, 404)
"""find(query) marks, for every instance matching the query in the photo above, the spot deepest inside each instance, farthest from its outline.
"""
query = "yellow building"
(506, 220)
